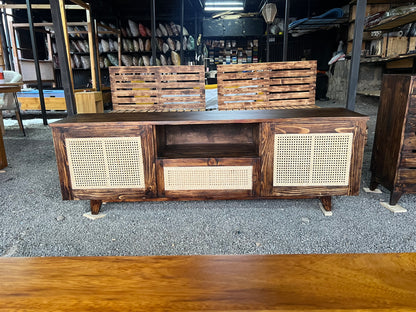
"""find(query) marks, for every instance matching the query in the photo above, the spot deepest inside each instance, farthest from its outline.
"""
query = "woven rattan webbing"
(208, 178)
(96, 163)
(312, 159)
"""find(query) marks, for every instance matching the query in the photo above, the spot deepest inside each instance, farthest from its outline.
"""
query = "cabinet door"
(311, 159)
(112, 162)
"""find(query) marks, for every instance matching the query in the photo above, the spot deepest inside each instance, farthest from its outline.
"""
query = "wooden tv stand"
(304, 153)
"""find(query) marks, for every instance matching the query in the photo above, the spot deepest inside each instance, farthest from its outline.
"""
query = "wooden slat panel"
(245, 97)
(185, 92)
(132, 93)
(293, 95)
(243, 83)
(289, 88)
(407, 176)
(408, 159)
(293, 103)
(138, 100)
(283, 81)
(245, 90)
(291, 73)
(178, 101)
(246, 105)
(245, 75)
(183, 84)
(295, 65)
(409, 143)
(296, 82)
(242, 67)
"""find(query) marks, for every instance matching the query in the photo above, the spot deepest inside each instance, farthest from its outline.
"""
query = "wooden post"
(285, 33)
(153, 26)
(36, 61)
(95, 72)
(356, 54)
(182, 21)
(5, 50)
(62, 45)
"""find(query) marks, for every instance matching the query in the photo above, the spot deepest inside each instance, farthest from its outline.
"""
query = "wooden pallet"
(278, 85)
(158, 88)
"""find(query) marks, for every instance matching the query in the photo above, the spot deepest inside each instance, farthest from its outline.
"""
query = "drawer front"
(210, 177)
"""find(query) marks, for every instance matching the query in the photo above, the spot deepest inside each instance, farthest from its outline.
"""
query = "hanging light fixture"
(269, 12)
(217, 5)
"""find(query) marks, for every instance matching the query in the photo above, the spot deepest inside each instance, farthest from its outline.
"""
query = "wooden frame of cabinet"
(393, 159)
(209, 155)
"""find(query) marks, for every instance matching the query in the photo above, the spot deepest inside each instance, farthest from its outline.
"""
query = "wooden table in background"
(5, 88)
(369, 282)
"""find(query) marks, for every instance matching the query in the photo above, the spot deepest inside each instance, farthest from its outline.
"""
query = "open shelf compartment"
(207, 140)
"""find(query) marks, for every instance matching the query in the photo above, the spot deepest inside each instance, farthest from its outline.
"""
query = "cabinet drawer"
(209, 177)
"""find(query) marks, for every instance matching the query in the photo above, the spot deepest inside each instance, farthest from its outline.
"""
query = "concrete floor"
(34, 221)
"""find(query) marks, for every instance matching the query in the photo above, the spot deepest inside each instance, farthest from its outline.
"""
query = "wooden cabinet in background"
(393, 162)
(302, 153)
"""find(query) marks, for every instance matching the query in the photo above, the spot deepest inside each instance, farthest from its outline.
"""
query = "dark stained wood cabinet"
(393, 162)
(305, 153)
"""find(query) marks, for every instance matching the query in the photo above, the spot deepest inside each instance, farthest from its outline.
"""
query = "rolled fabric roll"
(176, 59)
(134, 29)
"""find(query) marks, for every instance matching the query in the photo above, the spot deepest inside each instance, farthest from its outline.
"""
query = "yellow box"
(89, 102)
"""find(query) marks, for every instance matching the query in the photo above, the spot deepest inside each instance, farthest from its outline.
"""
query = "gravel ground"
(34, 221)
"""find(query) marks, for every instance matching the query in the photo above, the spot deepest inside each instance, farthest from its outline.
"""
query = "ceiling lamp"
(224, 5)
(269, 12)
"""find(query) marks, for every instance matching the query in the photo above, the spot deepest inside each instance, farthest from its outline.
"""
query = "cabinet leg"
(394, 197)
(373, 183)
(326, 202)
(95, 206)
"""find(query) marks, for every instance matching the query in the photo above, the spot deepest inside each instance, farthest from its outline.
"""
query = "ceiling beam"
(81, 3)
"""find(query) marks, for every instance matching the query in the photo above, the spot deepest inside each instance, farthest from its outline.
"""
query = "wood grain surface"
(341, 282)
(186, 118)
(158, 87)
(393, 159)
(276, 85)
(202, 138)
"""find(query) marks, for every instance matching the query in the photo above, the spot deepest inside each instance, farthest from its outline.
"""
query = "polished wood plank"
(342, 282)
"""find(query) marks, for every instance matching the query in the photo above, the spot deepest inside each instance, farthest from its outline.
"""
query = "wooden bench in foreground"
(341, 282)
(276, 85)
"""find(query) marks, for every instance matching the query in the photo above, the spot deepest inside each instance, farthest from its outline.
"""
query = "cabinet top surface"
(250, 116)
